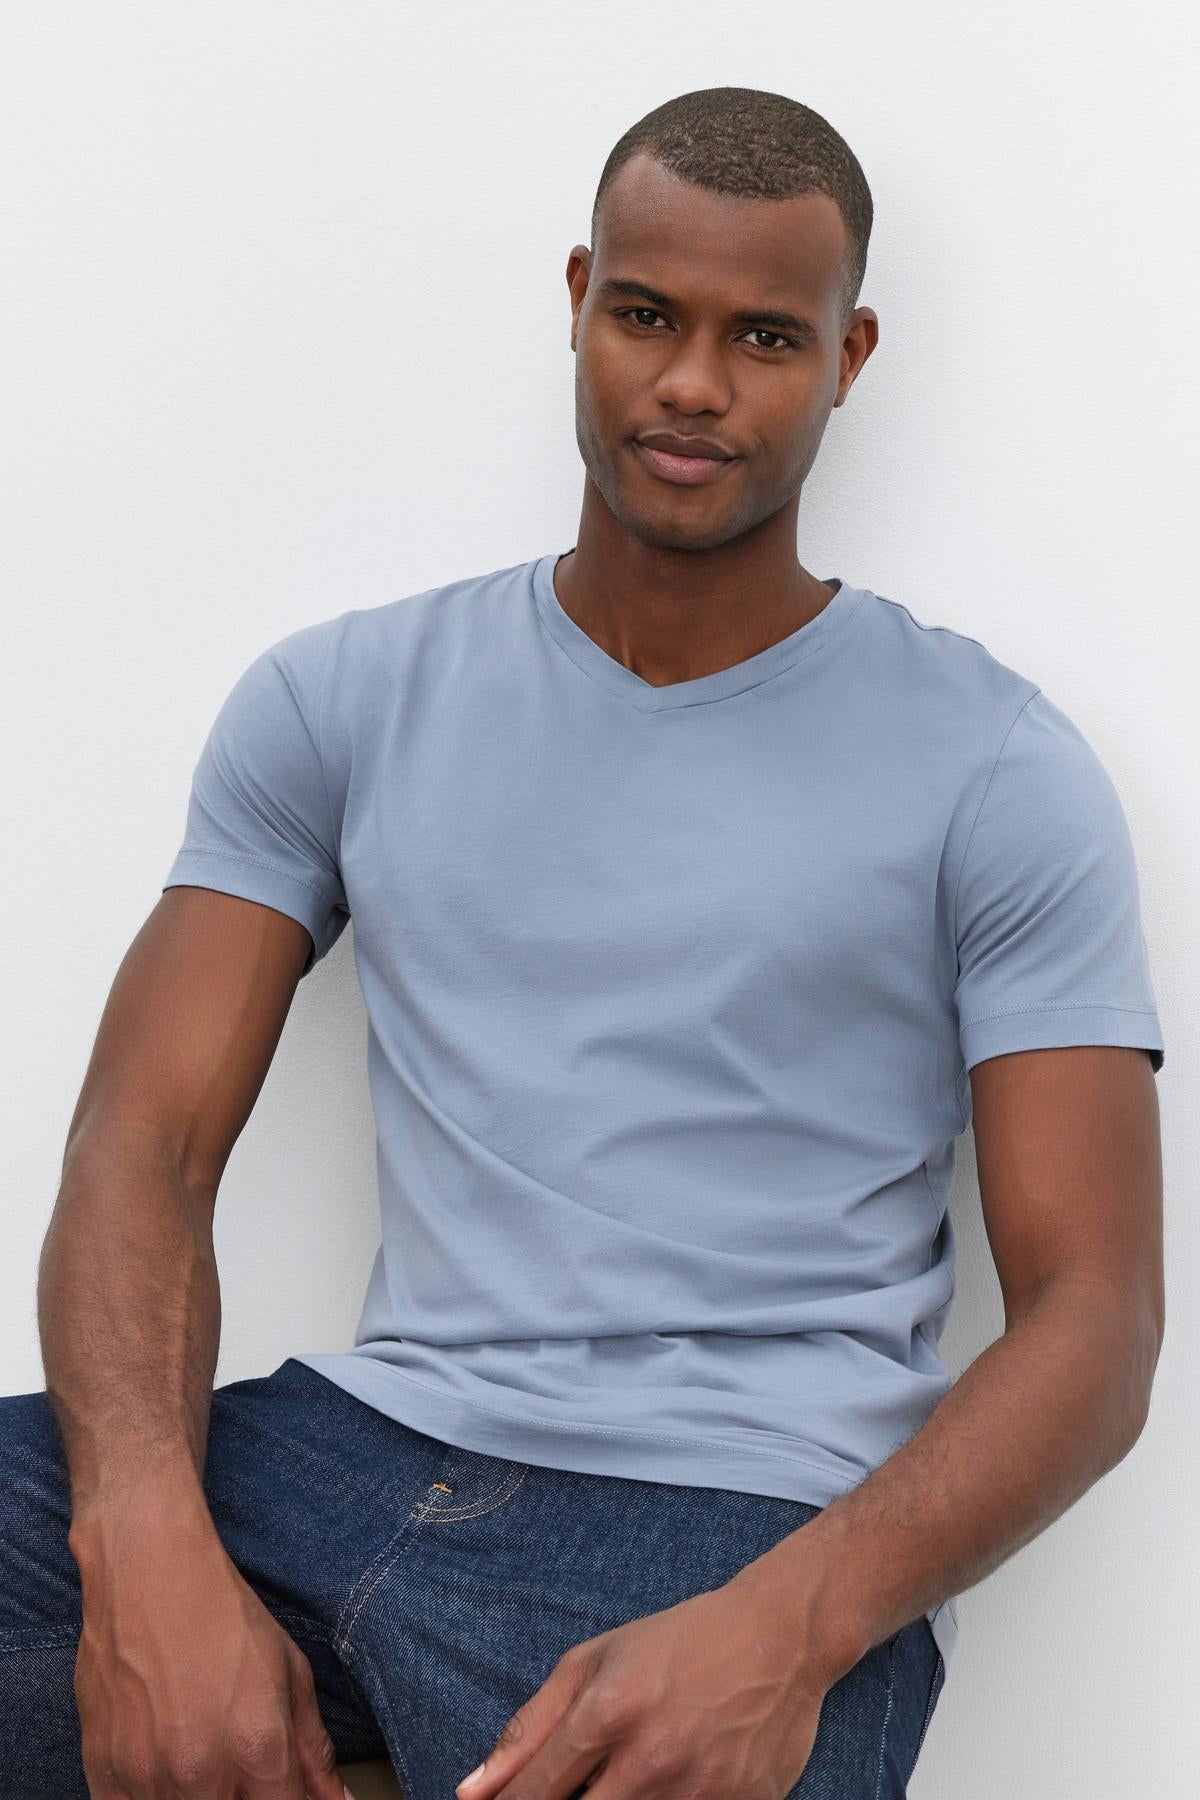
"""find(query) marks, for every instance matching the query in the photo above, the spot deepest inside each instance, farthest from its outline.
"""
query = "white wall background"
(267, 265)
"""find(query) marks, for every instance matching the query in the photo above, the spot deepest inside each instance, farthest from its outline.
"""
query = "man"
(699, 904)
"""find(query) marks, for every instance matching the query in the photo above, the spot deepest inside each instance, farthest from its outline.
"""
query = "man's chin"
(662, 534)
(668, 518)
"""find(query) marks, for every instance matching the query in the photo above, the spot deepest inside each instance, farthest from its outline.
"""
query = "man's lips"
(685, 471)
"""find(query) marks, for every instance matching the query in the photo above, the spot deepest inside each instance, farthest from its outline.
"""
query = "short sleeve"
(1048, 921)
(259, 820)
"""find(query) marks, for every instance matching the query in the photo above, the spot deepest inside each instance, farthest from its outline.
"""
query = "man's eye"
(781, 342)
(761, 331)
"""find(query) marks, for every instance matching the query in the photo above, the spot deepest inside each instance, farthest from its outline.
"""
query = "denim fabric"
(432, 1588)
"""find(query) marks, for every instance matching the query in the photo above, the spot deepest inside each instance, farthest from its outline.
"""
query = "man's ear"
(579, 268)
(860, 339)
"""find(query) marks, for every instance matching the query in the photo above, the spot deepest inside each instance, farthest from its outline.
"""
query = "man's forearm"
(1038, 1418)
(129, 1318)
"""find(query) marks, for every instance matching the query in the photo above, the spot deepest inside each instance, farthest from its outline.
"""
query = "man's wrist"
(165, 1503)
(806, 1584)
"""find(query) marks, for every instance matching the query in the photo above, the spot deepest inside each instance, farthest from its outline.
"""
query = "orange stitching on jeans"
(421, 1514)
(417, 1514)
(489, 1502)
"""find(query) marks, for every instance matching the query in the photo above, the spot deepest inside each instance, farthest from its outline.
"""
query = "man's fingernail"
(473, 1776)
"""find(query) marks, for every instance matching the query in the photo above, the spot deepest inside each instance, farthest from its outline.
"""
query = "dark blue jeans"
(432, 1589)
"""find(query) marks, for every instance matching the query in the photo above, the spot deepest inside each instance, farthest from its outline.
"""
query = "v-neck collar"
(721, 684)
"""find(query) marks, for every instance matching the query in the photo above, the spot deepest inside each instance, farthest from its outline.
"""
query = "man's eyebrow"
(617, 287)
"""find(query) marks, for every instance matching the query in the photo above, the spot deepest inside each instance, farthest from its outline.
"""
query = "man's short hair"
(753, 145)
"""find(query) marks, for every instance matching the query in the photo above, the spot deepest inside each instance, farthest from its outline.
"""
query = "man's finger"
(528, 1729)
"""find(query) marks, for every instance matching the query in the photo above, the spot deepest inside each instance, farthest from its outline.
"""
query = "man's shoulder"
(435, 609)
(369, 642)
(942, 666)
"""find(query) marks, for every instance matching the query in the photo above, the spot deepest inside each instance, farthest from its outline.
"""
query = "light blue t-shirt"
(672, 995)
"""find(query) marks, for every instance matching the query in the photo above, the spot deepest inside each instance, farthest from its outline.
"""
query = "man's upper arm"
(1059, 1029)
(189, 1029)
(1070, 1176)
(252, 900)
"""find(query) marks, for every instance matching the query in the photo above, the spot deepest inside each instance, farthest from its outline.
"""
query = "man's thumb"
(314, 1748)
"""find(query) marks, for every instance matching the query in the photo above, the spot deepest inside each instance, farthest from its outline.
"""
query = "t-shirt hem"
(1051, 1026)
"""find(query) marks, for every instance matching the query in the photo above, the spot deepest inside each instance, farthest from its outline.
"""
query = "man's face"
(683, 362)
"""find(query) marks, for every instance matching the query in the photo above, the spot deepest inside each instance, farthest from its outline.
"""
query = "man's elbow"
(1146, 1341)
(1116, 1337)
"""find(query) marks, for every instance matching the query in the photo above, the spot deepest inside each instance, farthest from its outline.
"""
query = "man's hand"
(714, 1696)
(184, 1683)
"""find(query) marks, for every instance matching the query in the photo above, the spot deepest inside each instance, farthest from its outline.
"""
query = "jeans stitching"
(934, 1685)
(887, 1715)
(422, 1512)
(383, 1700)
(298, 1624)
(417, 1517)
(56, 1642)
(489, 1503)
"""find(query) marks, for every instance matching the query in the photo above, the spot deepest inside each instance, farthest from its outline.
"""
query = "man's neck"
(671, 615)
